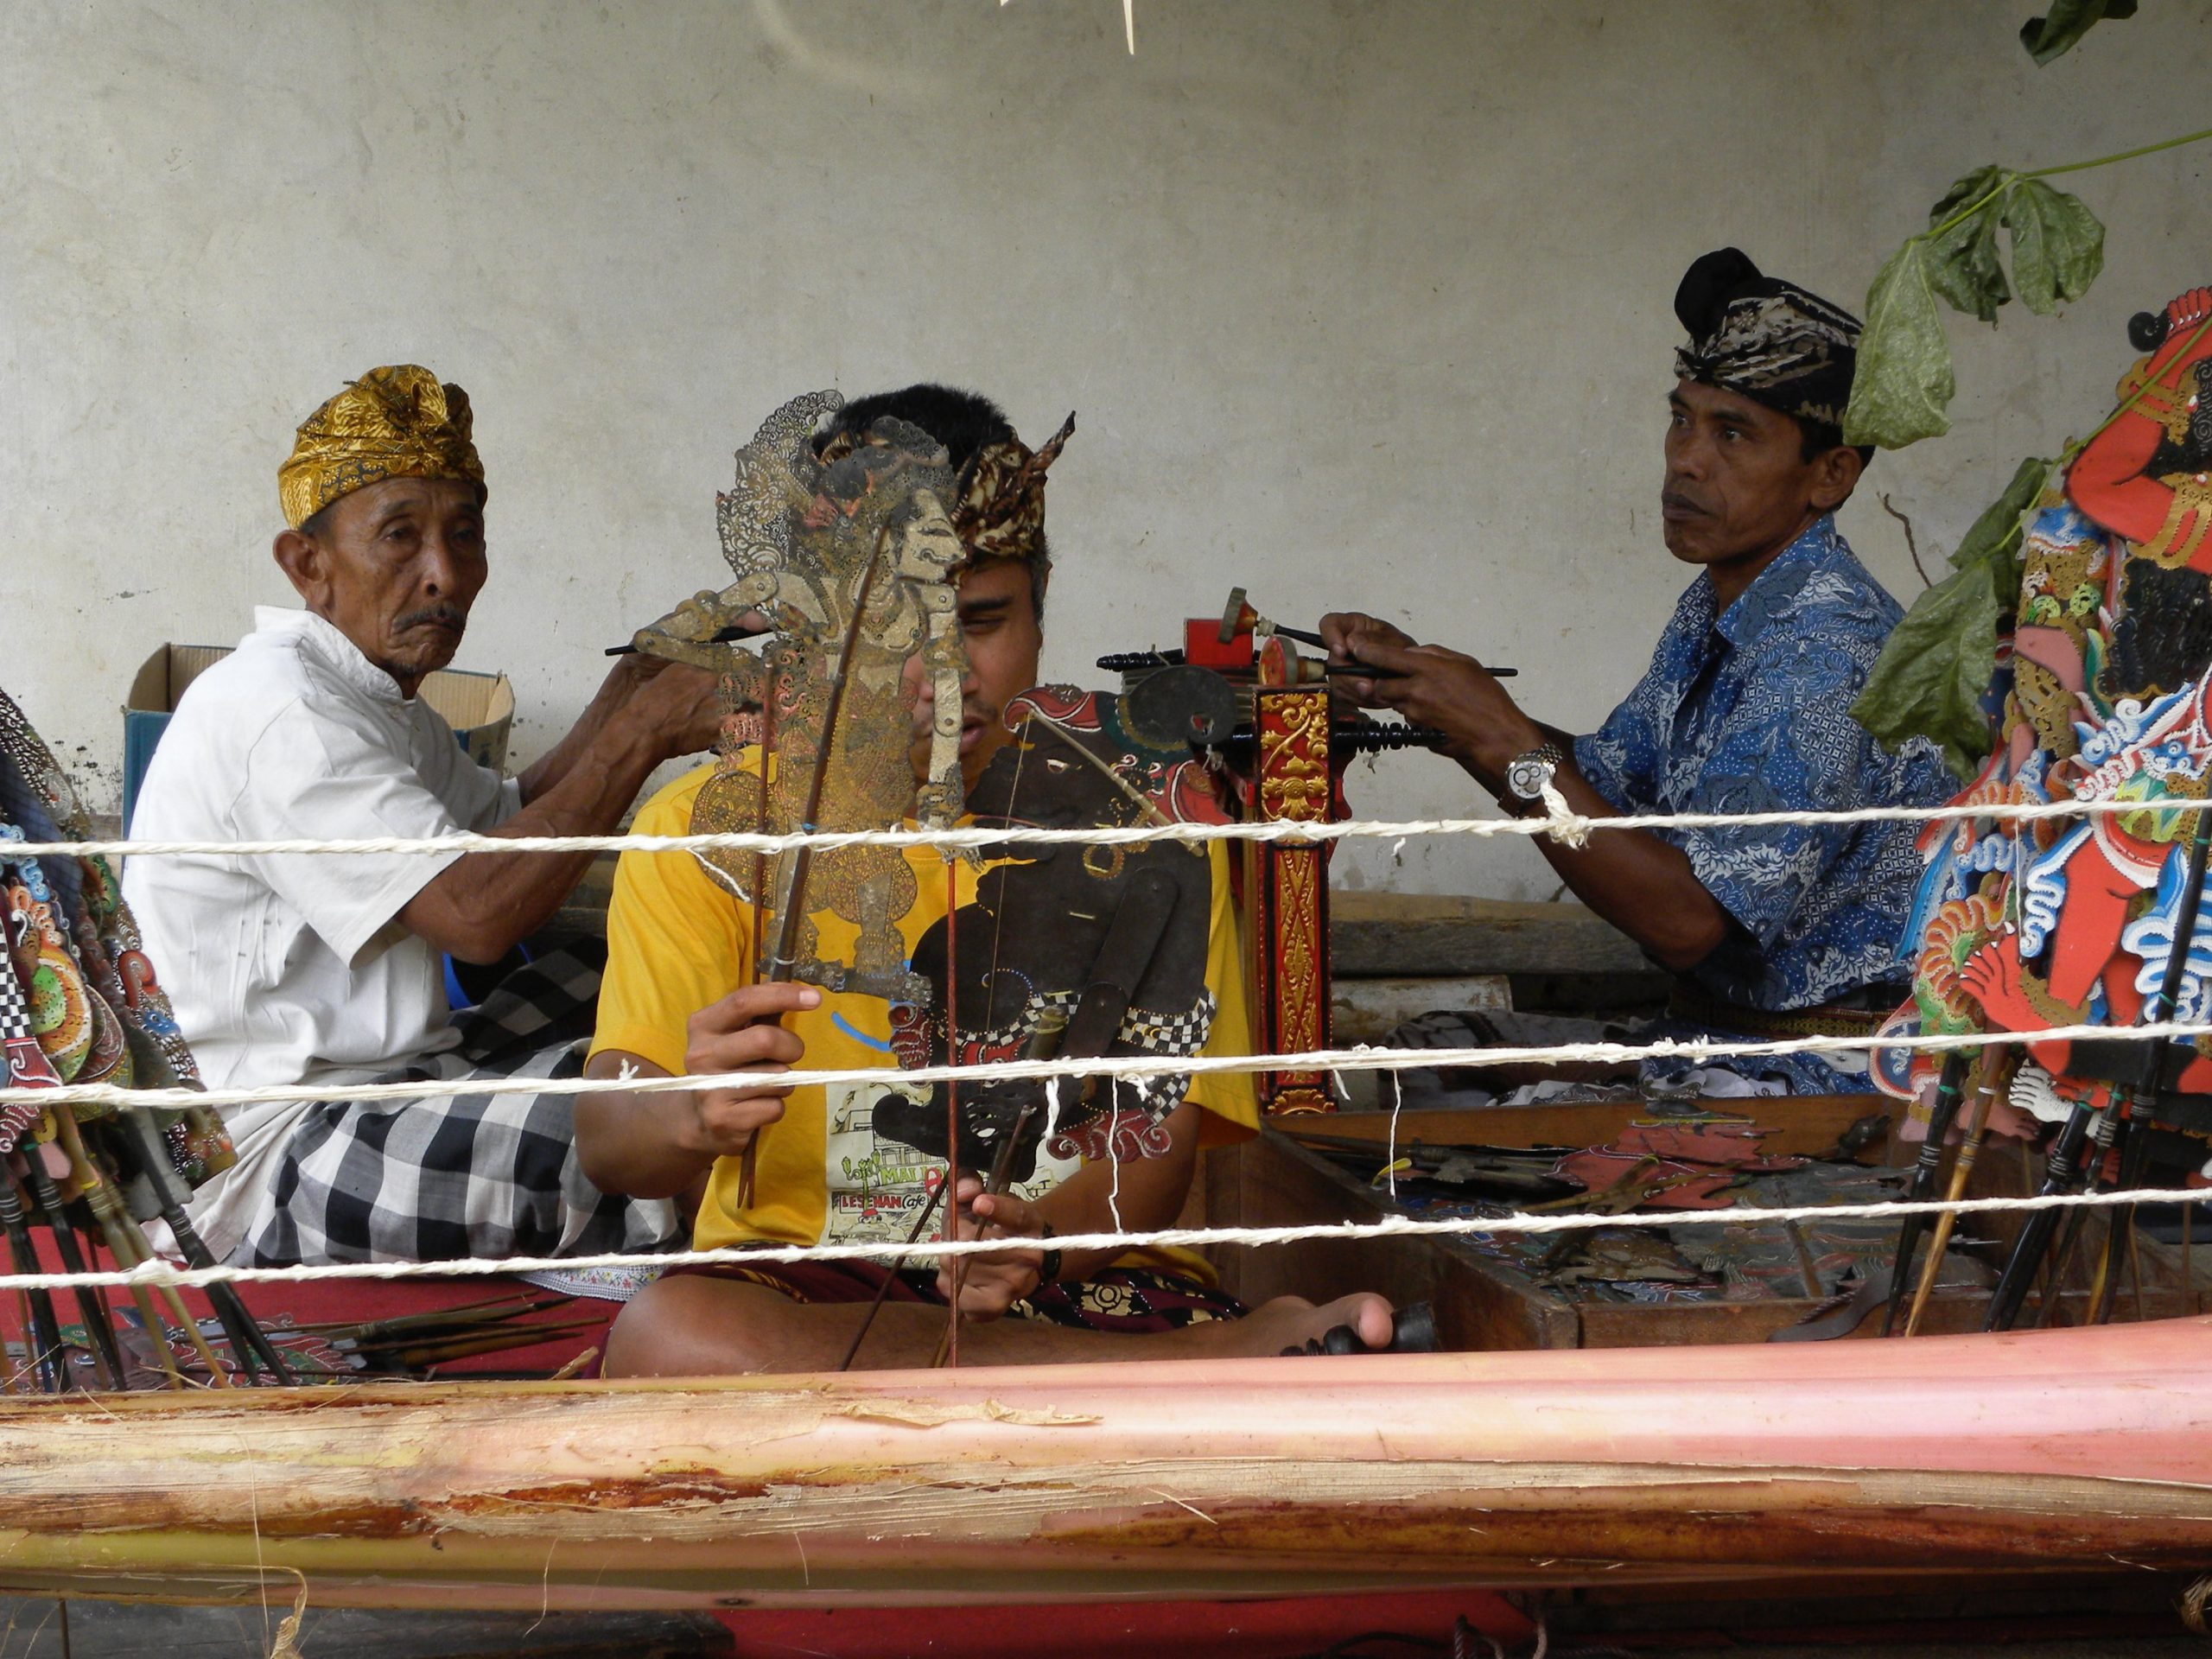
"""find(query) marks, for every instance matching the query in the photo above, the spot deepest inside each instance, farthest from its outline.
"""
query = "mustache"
(452, 615)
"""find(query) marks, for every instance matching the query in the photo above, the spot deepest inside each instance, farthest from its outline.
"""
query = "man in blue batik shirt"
(1770, 932)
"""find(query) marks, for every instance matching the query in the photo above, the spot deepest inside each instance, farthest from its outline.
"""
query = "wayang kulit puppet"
(80, 1003)
(847, 556)
(1067, 950)
(2102, 694)
(846, 551)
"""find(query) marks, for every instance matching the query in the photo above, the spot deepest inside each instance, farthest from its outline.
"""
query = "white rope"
(1365, 1058)
(1560, 822)
(161, 1273)
(1569, 827)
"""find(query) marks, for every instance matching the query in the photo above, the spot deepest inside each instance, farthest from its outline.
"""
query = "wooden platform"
(1376, 934)
(1484, 1303)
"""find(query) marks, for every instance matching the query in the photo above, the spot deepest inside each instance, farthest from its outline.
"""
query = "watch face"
(1527, 775)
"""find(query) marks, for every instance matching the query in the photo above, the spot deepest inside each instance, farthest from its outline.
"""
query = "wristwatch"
(1526, 774)
(1048, 1270)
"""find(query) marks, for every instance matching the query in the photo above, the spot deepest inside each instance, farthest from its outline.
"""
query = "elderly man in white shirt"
(324, 969)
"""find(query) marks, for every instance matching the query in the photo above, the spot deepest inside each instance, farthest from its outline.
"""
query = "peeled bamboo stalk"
(2033, 1452)
(1992, 1076)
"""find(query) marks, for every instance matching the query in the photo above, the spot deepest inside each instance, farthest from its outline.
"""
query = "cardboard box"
(480, 708)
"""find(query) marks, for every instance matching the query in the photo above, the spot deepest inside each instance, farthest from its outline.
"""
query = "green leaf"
(1903, 380)
(1997, 533)
(1930, 679)
(1934, 670)
(2056, 33)
(1966, 192)
(2058, 245)
(1962, 265)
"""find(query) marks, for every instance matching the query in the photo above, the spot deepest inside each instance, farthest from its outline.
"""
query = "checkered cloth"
(463, 1174)
(1174, 1035)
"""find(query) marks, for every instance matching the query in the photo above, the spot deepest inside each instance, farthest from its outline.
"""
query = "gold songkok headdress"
(392, 422)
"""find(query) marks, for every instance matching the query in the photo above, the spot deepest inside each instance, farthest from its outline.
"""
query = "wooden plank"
(1487, 1303)
(1950, 1312)
(1803, 1124)
(1365, 1010)
(1380, 934)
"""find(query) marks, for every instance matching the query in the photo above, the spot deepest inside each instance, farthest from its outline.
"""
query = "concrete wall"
(1361, 302)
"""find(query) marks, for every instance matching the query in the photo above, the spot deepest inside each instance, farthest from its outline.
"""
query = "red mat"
(283, 1306)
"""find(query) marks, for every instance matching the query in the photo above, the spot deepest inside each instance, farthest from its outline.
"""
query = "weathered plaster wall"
(1360, 302)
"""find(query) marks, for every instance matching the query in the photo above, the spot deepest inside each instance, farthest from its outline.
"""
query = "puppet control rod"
(790, 907)
(1240, 618)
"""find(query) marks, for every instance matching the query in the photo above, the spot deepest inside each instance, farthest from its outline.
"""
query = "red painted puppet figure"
(2143, 476)
(2027, 927)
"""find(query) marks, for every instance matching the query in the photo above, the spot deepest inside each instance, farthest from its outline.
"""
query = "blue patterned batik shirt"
(1751, 712)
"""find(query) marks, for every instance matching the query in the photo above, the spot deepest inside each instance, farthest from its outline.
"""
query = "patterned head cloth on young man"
(392, 422)
(1769, 340)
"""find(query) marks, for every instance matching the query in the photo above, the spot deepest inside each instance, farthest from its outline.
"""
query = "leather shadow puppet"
(1077, 951)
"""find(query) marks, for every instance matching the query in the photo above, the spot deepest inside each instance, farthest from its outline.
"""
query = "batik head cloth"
(1769, 340)
(999, 513)
(391, 423)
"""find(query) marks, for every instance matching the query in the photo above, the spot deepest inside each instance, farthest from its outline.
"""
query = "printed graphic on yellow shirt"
(878, 1187)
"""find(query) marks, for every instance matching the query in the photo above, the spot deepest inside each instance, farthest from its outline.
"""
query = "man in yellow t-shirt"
(676, 1000)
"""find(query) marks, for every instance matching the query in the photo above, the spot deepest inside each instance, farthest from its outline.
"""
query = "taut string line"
(1365, 1058)
(161, 1273)
(1558, 822)
(1562, 826)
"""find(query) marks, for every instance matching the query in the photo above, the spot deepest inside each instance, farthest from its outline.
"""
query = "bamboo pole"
(1992, 1077)
(1168, 1479)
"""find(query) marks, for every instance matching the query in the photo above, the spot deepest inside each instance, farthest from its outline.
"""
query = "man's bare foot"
(1292, 1321)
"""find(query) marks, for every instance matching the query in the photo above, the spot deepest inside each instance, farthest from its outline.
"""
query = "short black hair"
(965, 423)
(1816, 438)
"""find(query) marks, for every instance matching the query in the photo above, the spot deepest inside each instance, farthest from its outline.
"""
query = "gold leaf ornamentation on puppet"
(848, 554)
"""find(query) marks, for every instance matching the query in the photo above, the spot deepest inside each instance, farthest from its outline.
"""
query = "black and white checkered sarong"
(448, 1176)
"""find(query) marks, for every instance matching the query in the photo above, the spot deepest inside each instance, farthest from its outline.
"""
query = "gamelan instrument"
(1239, 690)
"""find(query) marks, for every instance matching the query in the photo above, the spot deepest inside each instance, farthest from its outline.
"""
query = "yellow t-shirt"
(678, 941)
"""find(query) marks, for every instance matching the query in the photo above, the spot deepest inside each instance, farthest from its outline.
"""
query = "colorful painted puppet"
(2104, 695)
(90, 1005)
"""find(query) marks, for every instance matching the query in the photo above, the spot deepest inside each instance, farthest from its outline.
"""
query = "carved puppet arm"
(2108, 481)
(687, 634)
(939, 802)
